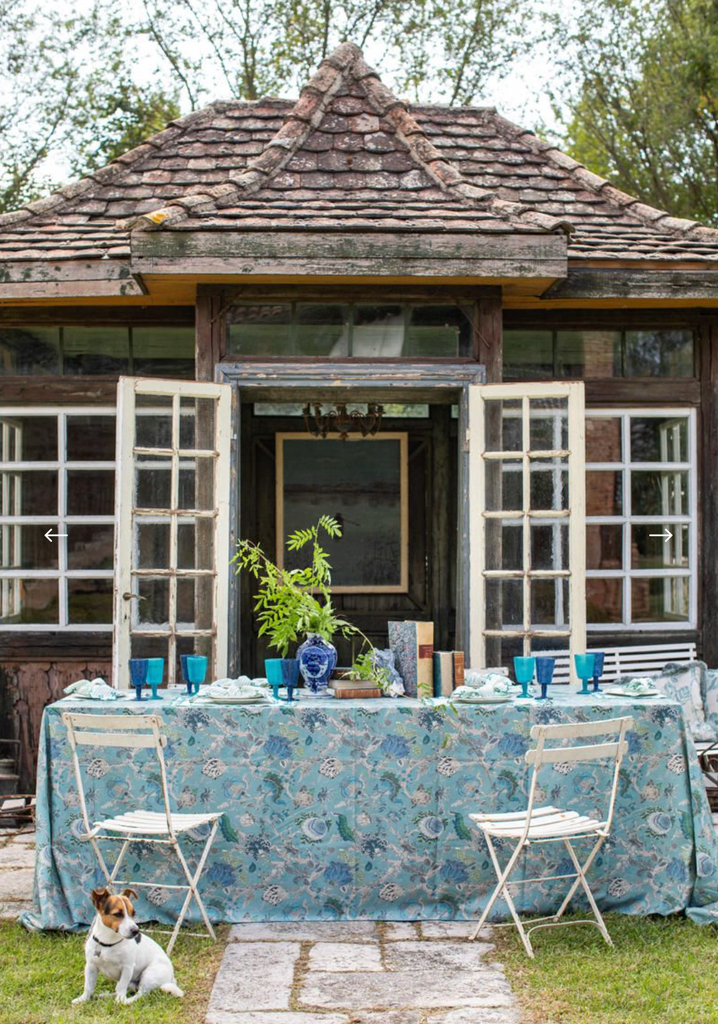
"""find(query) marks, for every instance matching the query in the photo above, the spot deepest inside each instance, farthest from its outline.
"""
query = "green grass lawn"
(40, 975)
(661, 971)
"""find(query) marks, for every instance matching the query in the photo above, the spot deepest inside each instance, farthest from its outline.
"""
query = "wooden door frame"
(411, 382)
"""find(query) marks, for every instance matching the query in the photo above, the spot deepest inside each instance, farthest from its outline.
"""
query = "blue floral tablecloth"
(359, 809)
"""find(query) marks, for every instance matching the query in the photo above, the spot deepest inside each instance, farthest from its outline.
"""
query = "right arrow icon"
(667, 535)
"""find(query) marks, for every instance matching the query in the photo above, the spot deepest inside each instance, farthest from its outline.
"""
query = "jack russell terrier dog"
(116, 948)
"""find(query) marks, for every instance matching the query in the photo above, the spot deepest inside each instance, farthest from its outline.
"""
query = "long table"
(359, 809)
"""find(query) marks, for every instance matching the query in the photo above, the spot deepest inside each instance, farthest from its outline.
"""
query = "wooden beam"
(293, 253)
(97, 316)
(635, 284)
(58, 390)
(68, 278)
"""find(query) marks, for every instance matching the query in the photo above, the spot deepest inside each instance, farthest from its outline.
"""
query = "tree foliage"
(644, 105)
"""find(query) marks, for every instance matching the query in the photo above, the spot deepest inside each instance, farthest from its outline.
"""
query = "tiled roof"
(347, 156)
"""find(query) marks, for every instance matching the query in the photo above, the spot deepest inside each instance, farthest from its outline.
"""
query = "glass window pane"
(29, 602)
(438, 331)
(653, 548)
(322, 330)
(29, 350)
(194, 602)
(549, 545)
(163, 352)
(260, 330)
(604, 546)
(503, 425)
(603, 439)
(195, 544)
(196, 484)
(152, 544)
(659, 439)
(25, 546)
(89, 602)
(660, 599)
(153, 481)
(91, 438)
(504, 603)
(604, 601)
(549, 484)
(378, 331)
(504, 485)
(659, 493)
(549, 603)
(548, 427)
(28, 438)
(504, 545)
(90, 493)
(90, 546)
(589, 354)
(153, 421)
(659, 353)
(152, 607)
(28, 493)
(96, 350)
(604, 493)
(197, 423)
(528, 355)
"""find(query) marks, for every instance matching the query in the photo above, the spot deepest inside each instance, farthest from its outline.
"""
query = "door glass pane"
(663, 599)
(504, 603)
(196, 484)
(153, 606)
(152, 544)
(153, 481)
(195, 543)
(504, 545)
(548, 428)
(603, 439)
(549, 484)
(652, 548)
(503, 430)
(197, 424)
(659, 492)
(153, 421)
(549, 603)
(604, 546)
(549, 545)
(655, 439)
(604, 601)
(504, 485)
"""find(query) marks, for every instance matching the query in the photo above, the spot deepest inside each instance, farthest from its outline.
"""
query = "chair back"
(613, 749)
(130, 732)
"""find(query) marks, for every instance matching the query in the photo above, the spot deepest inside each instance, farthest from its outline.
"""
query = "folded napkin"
(486, 683)
(643, 684)
(242, 687)
(92, 689)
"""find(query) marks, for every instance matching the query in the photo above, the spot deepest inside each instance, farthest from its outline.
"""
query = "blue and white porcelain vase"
(317, 658)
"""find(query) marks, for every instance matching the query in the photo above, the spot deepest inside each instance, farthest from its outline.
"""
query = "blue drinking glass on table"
(598, 659)
(544, 674)
(196, 671)
(138, 674)
(584, 669)
(524, 672)
(155, 674)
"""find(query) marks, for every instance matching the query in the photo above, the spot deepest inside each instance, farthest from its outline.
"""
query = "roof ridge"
(105, 173)
(648, 215)
(305, 116)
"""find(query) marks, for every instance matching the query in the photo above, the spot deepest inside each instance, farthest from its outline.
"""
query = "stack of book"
(413, 647)
(353, 689)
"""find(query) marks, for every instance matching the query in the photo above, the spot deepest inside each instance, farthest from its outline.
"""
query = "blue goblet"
(544, 674)
(524, 672)
(196, 671)
(584, 670)
(185, 675)
(138, 674)
(598, 659)
(155, 672)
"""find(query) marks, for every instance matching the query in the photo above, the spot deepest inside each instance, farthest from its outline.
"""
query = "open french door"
(526, 518)
(172, 533)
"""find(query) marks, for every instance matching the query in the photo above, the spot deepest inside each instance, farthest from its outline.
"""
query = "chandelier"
(342, 421)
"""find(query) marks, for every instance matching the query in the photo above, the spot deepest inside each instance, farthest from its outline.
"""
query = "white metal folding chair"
(553, 825)
(164, 827)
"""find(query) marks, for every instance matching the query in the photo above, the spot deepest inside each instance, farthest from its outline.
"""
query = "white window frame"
(574, 516)
(59, 521)
(626, 520)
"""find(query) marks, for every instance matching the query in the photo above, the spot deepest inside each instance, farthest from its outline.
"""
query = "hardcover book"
(448, 672)
(359, 694)
(413, 647)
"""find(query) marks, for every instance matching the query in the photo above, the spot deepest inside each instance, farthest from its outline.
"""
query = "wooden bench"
(625, 661)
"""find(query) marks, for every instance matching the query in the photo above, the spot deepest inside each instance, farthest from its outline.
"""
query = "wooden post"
(209, 328)
(488, 343)
(708, 490)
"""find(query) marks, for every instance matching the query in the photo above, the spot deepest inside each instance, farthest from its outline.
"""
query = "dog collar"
(109, 945)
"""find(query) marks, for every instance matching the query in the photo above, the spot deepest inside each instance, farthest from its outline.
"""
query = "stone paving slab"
(251, 977)
(485, 1015)
(397, 930)
(447, 929)
(17, 855)
(461, 956)
(16, 884)
(310, 931)
(345, 956)
(11, 911)
(227, 1017)
(413, 989)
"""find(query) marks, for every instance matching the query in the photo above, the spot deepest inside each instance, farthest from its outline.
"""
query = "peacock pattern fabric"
(359, 809)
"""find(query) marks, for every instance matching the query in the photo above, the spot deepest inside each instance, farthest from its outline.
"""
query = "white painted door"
(527, 520)
(172, 533)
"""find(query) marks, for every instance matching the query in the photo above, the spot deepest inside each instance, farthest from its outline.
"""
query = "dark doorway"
(428, 589)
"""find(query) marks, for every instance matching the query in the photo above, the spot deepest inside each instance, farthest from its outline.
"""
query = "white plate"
(498, 698)
(237, 700)
(640, 696)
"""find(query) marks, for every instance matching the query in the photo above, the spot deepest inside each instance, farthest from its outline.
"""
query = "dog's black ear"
(130, 892)
(99, 896)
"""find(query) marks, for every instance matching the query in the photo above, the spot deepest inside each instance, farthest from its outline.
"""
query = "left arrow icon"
(49, 535)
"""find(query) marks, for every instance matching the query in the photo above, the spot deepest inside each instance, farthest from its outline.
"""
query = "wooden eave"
(59, 279)
(633, 280)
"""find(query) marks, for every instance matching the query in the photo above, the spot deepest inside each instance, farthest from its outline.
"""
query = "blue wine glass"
(196, 671)
(544, 674)
(524, 672)
(185, 675)
(584, 670)
(138, 674)
(598, 659)
(155, 674)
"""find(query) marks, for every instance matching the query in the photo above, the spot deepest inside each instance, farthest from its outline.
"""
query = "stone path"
(360, 972)
(17, 859)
